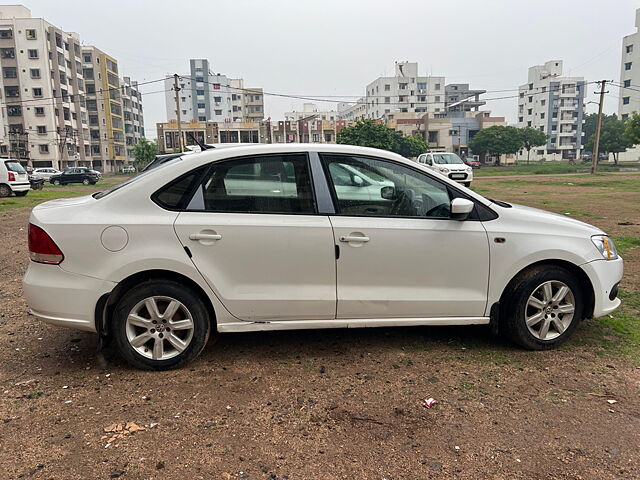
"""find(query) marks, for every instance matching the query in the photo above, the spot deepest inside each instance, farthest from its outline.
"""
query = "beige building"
(44, 117)
(168, 134)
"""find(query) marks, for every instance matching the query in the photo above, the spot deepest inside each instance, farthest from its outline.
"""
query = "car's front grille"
(458, 176)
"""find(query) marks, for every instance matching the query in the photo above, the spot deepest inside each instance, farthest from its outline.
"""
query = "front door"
(400, 254)
(256, 238)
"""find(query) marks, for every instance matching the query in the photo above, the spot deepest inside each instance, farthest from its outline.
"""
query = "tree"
(613, 138)
(144, 152)
(632, 129)
(368, 133)
(589, 128)
(497, 140)
(532, 137)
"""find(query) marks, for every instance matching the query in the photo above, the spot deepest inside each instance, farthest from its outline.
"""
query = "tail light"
(42, 248)
(12, 176)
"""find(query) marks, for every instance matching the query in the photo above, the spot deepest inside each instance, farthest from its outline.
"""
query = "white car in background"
(265, 238)
(13, 178)
(45, 173)
(450, 165)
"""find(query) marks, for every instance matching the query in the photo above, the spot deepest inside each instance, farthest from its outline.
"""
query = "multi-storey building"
(630, 73)
(553, 104)
(132, 114)
(405, 92)
(460, 98)
(310, 111)
(352, 112)
(208, 97)
(43, 92)
(104, 105)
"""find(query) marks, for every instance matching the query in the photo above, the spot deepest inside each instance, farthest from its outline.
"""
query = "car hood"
(551, 221)
(453, 167)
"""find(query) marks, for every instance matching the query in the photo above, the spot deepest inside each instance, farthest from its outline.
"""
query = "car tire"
(22, 194)
(137, 338)
(86, 181)
(467, 184)
(5, 191)
(56, 182)
(543, 308)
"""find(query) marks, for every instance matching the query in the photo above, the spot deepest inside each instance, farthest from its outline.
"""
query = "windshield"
(15, 167)
(446, 159)
(104, 193)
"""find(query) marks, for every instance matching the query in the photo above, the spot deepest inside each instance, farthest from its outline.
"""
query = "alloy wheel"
(550, 310)
(159, 328)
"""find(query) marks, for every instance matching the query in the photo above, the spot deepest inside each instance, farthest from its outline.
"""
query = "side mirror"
(388, 193)
(357, 181)
(461, 208)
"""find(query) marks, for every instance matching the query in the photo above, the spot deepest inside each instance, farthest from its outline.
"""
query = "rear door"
(19, 173)
(254, 233)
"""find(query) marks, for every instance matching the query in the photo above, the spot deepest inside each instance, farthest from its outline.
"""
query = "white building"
(205, 96)
(43, 92)
(132, 114)
(554, 105)
(352, 111)
(406, 92)
(630, 73)
(310, 111)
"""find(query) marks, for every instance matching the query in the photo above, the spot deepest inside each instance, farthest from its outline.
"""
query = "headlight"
(444, 170)
(469, 169)
(605, 246)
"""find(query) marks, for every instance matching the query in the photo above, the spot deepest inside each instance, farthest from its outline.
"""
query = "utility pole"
(596, 142)
(176, 87)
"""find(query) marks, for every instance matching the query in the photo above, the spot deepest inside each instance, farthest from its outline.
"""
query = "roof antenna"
(202, 146)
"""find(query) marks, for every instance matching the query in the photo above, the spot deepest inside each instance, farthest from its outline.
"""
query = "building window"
(531, 86)
(35, 73)
(39, 111)
(199, 92)
(30, 33)
(42, 129)
(542, 115)
(14, 110)
(625, 116)
(202, 118)
(625, 100)
(217, 99)
(387, 99)
(529, 123)
(627, 83)
(9, 72)
(421, 85)
(387, 87)
(543, 102)
(529, 111)
(218, 112)
(37, 92)
(201, 105)
(627, 66)
(33, 53)
(44, 148)
(520, 119)
(12, 91)
(628, 48)
(6, 33)
(8, 53)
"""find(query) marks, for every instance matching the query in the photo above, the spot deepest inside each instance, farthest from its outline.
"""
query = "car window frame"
(188, 197)
(480, 212)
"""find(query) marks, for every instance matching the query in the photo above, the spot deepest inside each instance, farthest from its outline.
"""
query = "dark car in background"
(86, 176)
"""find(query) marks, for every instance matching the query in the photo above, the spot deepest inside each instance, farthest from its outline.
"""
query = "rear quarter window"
(15, 167)
(176, 194)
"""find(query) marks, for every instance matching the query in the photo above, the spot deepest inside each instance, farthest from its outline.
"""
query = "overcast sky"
(336, 47)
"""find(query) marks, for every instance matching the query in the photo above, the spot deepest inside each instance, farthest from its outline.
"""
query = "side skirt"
(349, 323)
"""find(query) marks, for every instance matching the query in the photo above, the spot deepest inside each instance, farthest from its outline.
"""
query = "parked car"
(13, 178)
(45, 173)
(82, 175)
(263, 238)
(128, 169)
(472, 162)
(36, 183)
(448, 164)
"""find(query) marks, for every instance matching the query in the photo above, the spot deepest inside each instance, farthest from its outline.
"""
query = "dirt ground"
(336, 404)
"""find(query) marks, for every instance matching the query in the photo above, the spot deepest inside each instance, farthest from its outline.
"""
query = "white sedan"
(277, 237)
(45, 173)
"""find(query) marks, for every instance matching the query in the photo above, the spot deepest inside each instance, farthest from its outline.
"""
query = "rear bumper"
(63, 298)
(604, 276)
(20, 187)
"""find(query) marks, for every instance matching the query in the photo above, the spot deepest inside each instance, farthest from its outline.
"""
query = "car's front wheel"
(5, 191)
(56, 182)
(160, 325)
(543, 308)
(21, 194)
(467, 184)
(86, 181)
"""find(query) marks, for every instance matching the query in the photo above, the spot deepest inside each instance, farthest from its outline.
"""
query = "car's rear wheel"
(160, 325)
(56, 182)
(467, 184)
(543, 308)
(21, 194)
(86, 181)
(5, 191)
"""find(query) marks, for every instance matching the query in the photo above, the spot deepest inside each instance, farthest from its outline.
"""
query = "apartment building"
(460, 98)
(405, 92)
(630, 73)
(208, 97)
(45, 121)
(553, 104)
(310, 111)
(132, 114)
(352, 111)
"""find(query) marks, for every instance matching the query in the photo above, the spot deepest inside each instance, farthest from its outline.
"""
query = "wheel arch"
(107, 303)
(580, 274)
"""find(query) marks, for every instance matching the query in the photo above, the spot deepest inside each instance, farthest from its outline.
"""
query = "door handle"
(205, 236)
(354, 238)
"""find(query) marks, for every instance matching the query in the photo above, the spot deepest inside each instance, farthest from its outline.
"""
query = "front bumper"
(461, 176)
(62, 298)
(604, 276)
